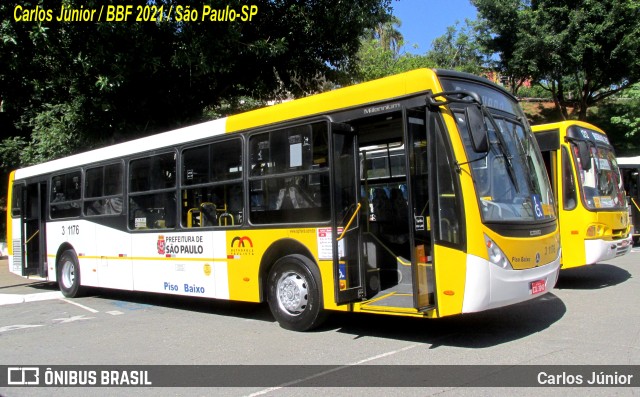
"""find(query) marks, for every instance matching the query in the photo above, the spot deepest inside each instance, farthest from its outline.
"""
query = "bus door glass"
(346, 231)
(422, 263)
(33, 228)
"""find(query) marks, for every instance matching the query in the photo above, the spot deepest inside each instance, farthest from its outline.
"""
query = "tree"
(387, 35)
(83, 84)
(376, 61)
(459, 49)
(630, 120)
(582, 51)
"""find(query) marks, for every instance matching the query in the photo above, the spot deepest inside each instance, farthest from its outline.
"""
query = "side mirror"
(583, 155)
(477, 129)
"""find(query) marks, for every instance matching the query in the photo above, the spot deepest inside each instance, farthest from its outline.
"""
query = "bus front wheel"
(294, 293)
(69, 274)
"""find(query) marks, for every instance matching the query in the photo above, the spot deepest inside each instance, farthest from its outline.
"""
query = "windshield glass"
(511, 181)
(601, 185)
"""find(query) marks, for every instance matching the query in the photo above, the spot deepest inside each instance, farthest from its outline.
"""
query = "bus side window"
(290, 184)
(212, 193)
(569, 194)
(103, 190)
(152, 183)
(65, 195)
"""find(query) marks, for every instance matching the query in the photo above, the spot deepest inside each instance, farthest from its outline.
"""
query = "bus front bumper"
(603, 250)
(489, 286)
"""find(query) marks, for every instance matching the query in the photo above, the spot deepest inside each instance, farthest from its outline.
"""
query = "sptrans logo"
(240, 246)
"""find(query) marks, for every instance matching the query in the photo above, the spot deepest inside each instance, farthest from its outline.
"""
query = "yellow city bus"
(630, 171)
(592, 210)
(421, 194)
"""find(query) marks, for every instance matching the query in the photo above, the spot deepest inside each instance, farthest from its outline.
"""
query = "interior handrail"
(350, 221)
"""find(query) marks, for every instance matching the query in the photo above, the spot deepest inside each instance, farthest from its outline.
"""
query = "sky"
(425, 20)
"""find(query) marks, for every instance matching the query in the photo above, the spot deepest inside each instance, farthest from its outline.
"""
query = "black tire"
(69, 274)
(295, 293)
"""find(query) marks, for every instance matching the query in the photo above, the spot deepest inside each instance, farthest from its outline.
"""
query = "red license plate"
(538, 286)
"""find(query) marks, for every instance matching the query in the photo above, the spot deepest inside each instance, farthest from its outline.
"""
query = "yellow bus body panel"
(245, 250)
(450, 273)
(385, 89)
(573, 228)
(12, 176)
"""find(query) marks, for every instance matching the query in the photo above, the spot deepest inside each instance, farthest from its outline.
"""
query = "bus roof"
(384, 89)
(564, 125)
(153, 142)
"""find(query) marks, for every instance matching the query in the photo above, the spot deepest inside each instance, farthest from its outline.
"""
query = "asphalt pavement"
(17, 289)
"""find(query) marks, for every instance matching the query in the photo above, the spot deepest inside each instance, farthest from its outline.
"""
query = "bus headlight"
(496, 256)
(595, 230)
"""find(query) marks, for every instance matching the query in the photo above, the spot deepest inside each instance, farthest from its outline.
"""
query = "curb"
(12, 299)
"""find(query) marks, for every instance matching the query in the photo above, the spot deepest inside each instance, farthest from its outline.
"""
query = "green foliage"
(459, 49)
(602, 116)
(379, 54)
(387, 35)
(10, 149)
(55, 133)
(630, 119)
(376, 61)
(582, 51)
(65, 87)
(534, 91)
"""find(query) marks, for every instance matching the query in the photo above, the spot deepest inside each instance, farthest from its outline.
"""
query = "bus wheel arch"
(68, 272)
(293, 288)
(277, 250)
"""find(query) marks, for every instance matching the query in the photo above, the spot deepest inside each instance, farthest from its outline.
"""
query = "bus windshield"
(600, 184)
(510, 179)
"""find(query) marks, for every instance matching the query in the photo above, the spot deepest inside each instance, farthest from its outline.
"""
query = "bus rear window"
(16, 200)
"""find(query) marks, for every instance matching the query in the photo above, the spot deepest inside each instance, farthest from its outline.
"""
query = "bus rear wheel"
(294, 293)
(69, 274)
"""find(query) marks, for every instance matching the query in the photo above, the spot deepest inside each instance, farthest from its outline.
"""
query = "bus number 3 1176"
(71, 230)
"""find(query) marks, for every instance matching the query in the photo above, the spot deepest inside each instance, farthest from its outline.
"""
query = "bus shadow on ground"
(31, 286)
(473, 330)
(596, 276)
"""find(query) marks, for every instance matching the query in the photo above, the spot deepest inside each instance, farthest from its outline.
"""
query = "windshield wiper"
(502, 145)
(525, 156)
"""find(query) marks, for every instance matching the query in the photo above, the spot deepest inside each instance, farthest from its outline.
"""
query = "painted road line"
(87, 308)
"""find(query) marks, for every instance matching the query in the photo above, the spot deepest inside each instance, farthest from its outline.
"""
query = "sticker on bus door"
(342, 268)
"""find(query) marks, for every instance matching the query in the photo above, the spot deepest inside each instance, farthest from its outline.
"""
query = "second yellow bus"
(592, 210)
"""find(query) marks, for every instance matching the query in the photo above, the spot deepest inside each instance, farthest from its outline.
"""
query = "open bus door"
(34, 197)
(383, 259)
(346, 228)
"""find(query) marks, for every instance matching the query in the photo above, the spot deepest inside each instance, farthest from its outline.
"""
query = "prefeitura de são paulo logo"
(161, 245)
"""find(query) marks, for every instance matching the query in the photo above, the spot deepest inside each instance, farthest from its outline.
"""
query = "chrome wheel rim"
(293, 293)
(68, 274)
